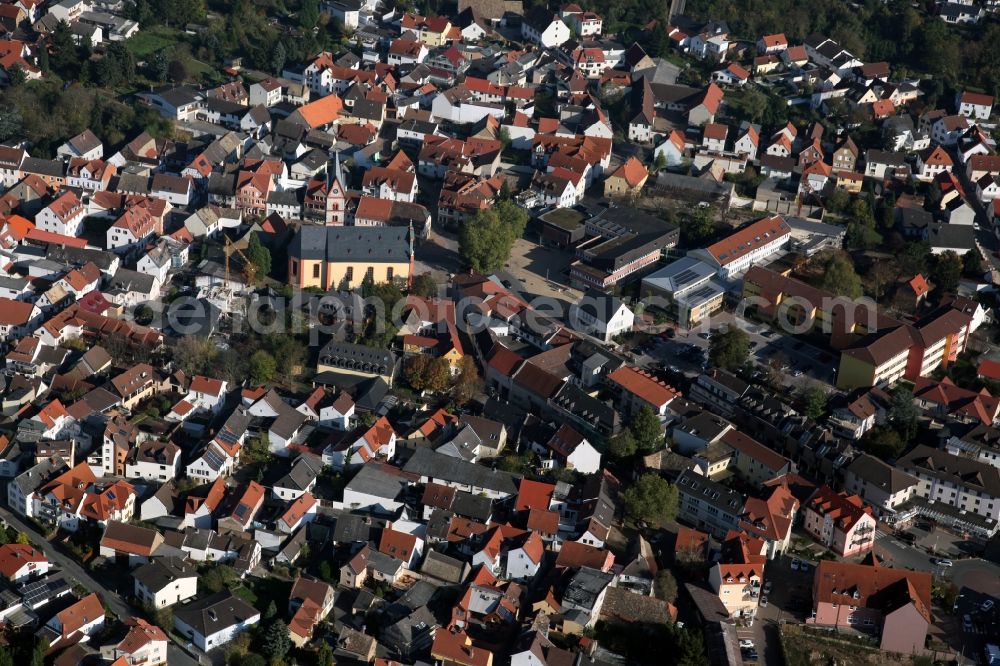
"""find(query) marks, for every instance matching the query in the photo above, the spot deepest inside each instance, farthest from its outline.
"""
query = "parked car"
(986, 606)
(749, 655)
(746, 644)
(795, 564)
(967, 623)
(763, 601)
(767, 587)
(941, 562)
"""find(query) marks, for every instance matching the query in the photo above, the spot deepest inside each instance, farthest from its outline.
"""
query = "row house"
(968, 485)
(89, 174)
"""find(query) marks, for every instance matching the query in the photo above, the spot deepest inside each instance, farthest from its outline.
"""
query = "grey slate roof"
(215, 613)
(369, 244)
(304, 471)
(163, 571)
(434, 465)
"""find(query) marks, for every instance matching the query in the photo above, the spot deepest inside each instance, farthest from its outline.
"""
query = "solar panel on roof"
(213, 459)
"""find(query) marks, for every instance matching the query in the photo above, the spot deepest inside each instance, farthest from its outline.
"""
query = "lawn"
(147, 42)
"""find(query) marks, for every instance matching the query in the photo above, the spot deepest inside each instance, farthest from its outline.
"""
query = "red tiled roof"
(534, 495)
(770, 519)
(81, 613)
(761, 232)
(140, 635)
(989, 369)
(397, 544)
(207, 385)
(845, 510)
(573, 555)
(753, 449)
(15, 313)
(644, 385)
(298, 509)
(632, 172)
(956, 400)
(14, 556)
(872, 586)
(978, 99)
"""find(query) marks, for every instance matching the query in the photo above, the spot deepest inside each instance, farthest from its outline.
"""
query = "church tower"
(336, 196)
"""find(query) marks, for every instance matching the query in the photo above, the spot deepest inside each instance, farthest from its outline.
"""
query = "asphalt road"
(974, 573)
(175, 654)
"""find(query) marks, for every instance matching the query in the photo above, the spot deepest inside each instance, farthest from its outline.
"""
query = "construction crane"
(249, 269)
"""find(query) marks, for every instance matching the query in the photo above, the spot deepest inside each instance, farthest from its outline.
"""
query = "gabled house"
(840, 522)
(738, 577)
(77, 623)
(378, 441)
(309, 602)
(215, 620)
(893, 604)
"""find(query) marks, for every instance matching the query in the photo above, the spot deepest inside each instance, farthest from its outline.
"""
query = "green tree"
(486, 240)
(11, 122)
(424, 285)
(647, 430)
(324, 654)
(729, 349)
(262, 367)
(972, 264)
(665, 586)
(23, 539)
(278, 57)
(64, 58)
(660, 163)
(177, 70)
(884, 443)
(259, 256)
(308, 15)
(622, 445)
(276, 642)
(325, 571)
(903, 414)
(7, 657)
(947, 272)
(271, 611)
(699, 227)
(38, 654)
(814, 398)
(16, 75)
(651, 499)
(841, 278)
(164, 618)
(159, 66)
(218, 577)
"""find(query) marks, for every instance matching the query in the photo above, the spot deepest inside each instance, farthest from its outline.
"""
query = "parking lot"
(796, 360)
(542, 271)
(789, 599)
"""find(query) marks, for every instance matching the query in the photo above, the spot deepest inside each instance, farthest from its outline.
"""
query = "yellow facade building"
(334, 257)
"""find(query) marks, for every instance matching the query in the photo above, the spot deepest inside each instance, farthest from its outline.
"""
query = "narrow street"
(175, 654)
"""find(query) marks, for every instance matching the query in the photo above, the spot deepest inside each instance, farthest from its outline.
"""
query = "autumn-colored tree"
(467, 381)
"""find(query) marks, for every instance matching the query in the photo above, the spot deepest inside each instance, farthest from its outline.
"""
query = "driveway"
(72, 568)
